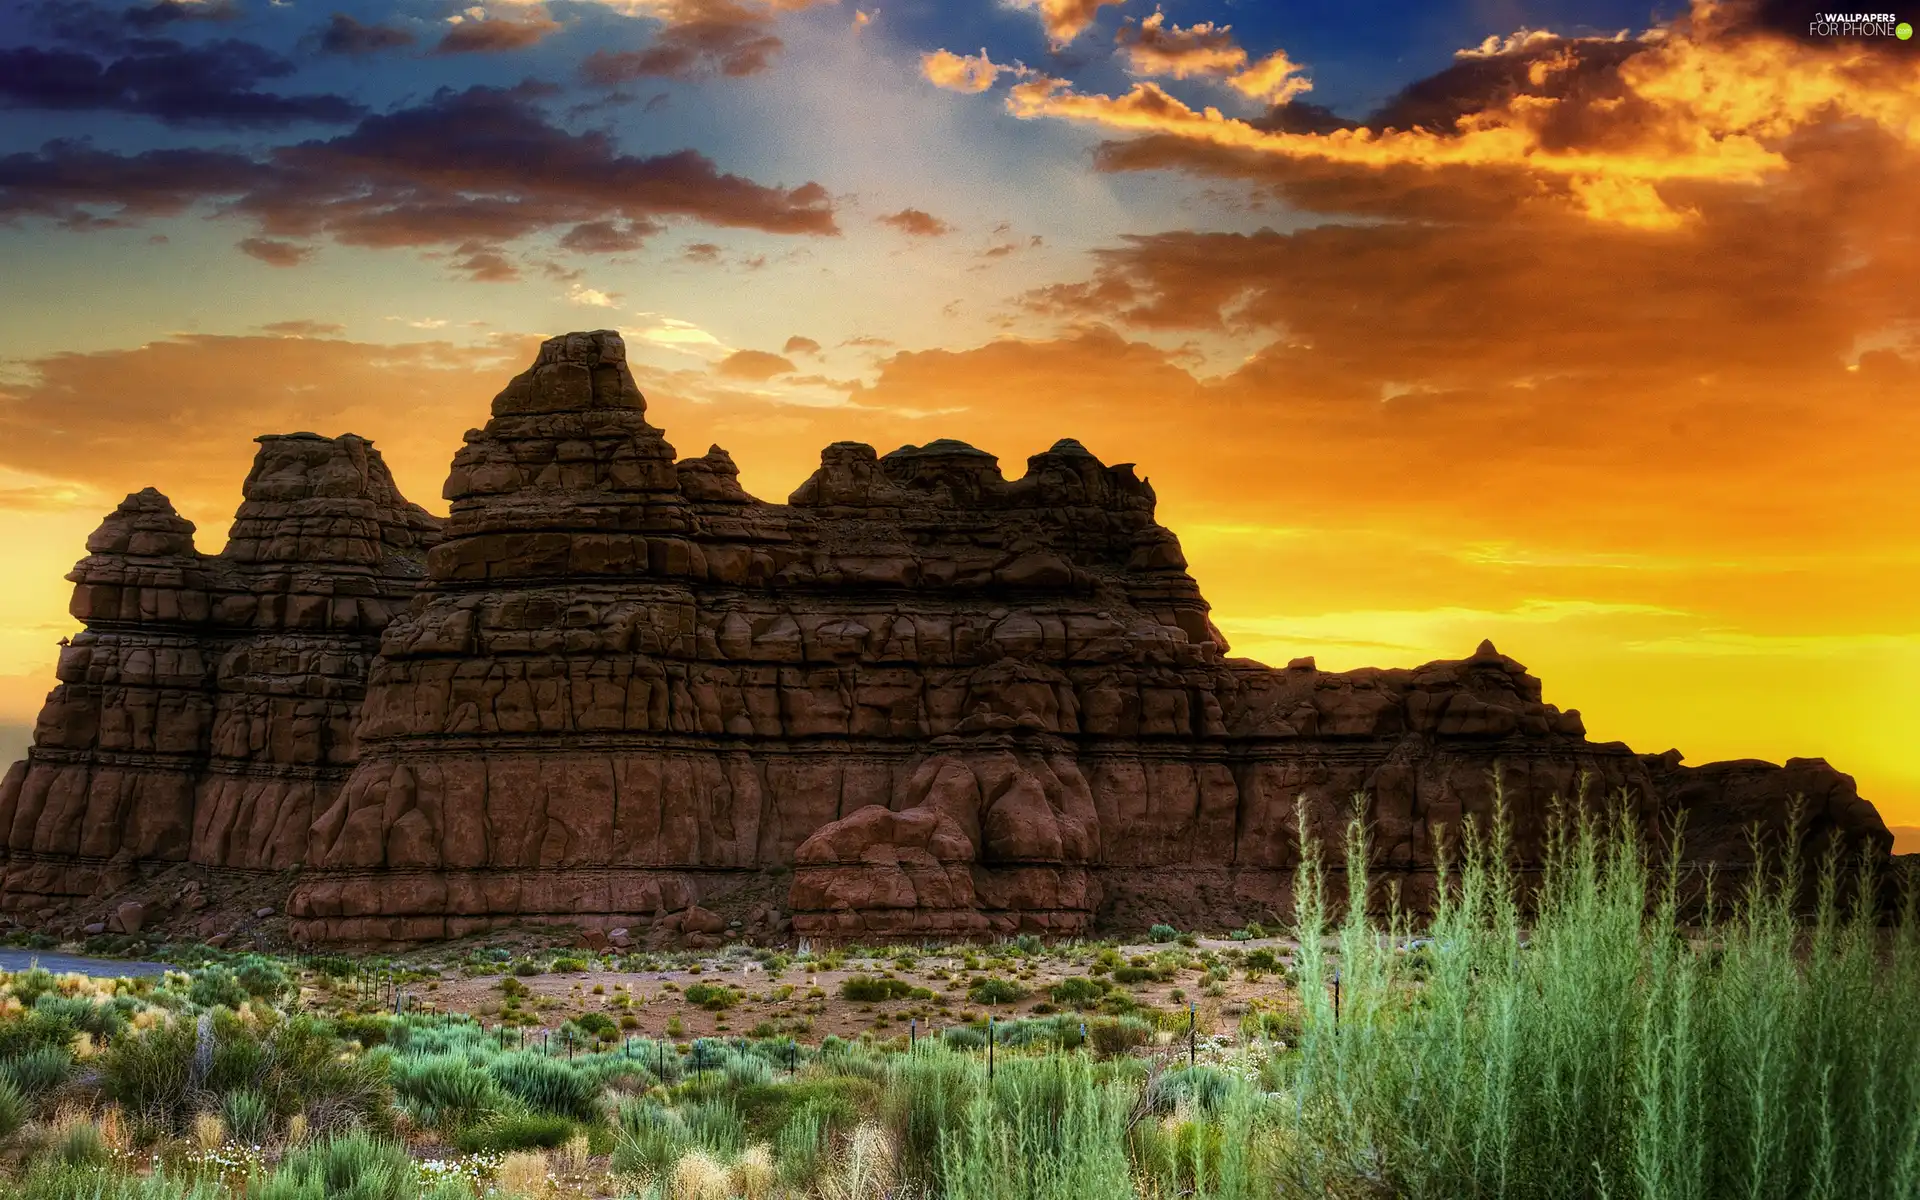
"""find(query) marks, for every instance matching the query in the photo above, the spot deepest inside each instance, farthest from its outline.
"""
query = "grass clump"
(870, 989)
(995, 990)
(546, 1085)
(351, 1166)
(1579, 1040)
(714, 997)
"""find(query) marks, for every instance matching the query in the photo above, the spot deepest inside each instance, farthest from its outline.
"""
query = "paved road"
(60, 964)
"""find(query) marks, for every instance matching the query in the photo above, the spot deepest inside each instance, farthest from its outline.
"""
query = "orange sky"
(1614, 358)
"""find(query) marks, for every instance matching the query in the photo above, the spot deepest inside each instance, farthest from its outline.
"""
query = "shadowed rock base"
(614, 690)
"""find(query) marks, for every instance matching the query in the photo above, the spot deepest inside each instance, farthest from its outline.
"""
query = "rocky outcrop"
(205, 713)
(919, 699)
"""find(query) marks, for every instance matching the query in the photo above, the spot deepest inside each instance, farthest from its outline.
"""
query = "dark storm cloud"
(63, 178)
(344, 35)
(167, 12)
(482, 166)
(212, 84)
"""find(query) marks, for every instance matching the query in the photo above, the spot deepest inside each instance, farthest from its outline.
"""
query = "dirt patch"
(931, 991)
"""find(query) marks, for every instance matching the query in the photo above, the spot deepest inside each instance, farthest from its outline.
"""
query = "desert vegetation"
(1561, 1035)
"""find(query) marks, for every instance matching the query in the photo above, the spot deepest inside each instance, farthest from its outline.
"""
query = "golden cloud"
(1698, 104)
(1064, 20)
(960, 73)
(1152, 47)
(755, 365)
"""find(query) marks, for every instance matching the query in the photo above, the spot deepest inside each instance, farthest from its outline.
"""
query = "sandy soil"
(804, 999)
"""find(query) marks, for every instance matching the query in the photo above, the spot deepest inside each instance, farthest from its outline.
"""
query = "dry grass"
(700, 1176)
(523, 1174)
(209, 1131)
(571, 1159)
(866, 1167)
(113, 1130)
(754, 1175)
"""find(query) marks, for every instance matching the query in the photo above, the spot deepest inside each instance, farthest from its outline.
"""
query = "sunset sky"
(1589, 327)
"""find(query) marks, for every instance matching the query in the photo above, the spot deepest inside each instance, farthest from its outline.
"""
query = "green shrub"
(715, 1126)
(568, 966)
(546, 1084)
(29, 985)
(217, 987)
(247, 1115)
(801, 1146)
(352, 1166)
(47, 1180)
(1118, 1035)
(870, 989)
(994, 990)
(650, 1139)
(1267, 1023)
(444, 1090)
(1132, 975)
(162, 1074)
(1261, 960)
(369, 1029)
(77, 1144)
(35, 1029)
(262, 977)
(508, 1131)
(1162, 933)
(595, 1027)
(714, 997)
(1077, 991)
(526, 969)
(38, 1071)
(1203, 1088)
(14, 1109)
(80, 1014)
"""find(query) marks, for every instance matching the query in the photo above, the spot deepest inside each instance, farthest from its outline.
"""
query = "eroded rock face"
(628, 695)
(206, 711)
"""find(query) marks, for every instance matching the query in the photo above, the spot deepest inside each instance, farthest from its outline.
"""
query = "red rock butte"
(613, 690)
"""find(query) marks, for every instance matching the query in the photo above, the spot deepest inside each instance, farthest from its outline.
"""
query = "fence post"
(989, 1048)
(1193, 1045)
(913, 1033)
(1336, 995)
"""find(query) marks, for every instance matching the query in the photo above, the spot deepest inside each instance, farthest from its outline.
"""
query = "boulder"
(129, 917)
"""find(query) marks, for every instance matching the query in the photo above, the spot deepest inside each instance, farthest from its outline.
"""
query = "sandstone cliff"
(919, 699)
(206, 711)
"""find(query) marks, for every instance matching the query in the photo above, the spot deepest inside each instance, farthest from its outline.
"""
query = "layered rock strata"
(205, 713)
(920, 699)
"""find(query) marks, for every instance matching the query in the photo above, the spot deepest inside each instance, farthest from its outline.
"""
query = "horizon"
(1543, 323)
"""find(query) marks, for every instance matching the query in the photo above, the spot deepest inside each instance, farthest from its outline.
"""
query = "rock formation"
(206, 712)
(920, 699)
